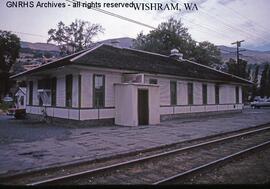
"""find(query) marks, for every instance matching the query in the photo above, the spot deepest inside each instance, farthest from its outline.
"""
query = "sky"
(218, 21)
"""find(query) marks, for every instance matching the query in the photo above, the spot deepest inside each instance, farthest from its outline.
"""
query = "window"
(44, 84)
(22, 101)
(204, 93)
(79, 90)
(40, 101)
(173, 89)
(190, 93)
(153, 81)
(237, 94)
(53, 91)
(99, 91)
(216, 94)
(69, 91)
(31, 93)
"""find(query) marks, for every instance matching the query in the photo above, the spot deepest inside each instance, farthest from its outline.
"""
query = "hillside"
(251, 56)
(39, 46)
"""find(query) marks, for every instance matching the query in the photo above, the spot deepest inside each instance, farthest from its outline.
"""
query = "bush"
(4, 106)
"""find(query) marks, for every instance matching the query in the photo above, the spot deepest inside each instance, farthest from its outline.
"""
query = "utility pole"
(238, 44)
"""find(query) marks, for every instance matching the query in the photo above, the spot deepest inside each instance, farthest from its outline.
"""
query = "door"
(143, 107)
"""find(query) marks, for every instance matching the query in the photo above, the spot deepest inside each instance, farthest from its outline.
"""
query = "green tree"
(9, 52)
(75, 37)
(206, 53)
(264, 81)
(172, 34)
(239, 69)
(254, 90)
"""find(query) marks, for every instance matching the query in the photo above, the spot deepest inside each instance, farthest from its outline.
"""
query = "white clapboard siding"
(210, 93)
(61, 91)
(75, 91)
(87, 89)
(197, 93)
(164, 91)
(182, 97)
(110, 80)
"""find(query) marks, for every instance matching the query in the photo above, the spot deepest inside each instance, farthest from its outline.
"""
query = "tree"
(232, 68)
(9, 52)
(240, 70)
(75, 37)
(172, 34)
(207, 53)
(254, 90)
(264, 81)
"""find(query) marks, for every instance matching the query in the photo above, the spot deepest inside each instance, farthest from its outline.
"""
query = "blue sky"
(218, 21)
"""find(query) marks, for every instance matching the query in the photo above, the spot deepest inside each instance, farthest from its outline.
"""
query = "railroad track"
(168, 166)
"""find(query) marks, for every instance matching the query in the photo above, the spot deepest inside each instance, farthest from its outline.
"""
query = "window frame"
(69, 90)
(173, 96)
(153, 81)
(190, 93)
(53, 91)
(237, 94)
(217, 95)
(95, 91)
(79, 90)
(204, 94)
(30, 98)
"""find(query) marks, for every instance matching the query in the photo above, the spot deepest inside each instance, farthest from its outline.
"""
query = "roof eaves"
(234, 76)
(86, 52)
(157, 54)
(39, 67)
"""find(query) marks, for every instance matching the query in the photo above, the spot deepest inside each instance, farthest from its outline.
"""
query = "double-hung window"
(216, 94)
(237, 94)
(173, 90)
(204, 93)
(98, 91)
(69, 79)
(30, 99)
(190, 93)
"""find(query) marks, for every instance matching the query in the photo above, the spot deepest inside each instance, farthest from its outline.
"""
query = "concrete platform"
(28, 145)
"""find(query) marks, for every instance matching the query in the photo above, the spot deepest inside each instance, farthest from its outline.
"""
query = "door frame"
(138, 107)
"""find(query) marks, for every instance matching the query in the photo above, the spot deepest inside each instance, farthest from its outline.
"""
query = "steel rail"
(91, 171)
(215, 162)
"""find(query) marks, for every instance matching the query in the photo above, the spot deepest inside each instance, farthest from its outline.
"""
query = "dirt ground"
(253, 169)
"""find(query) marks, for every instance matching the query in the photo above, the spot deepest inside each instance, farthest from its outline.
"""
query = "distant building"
(128, 87)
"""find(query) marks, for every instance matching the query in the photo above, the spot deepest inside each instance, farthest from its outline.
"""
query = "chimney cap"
(176, 54)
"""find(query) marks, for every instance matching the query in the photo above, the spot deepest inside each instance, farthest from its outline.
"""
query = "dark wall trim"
(199, 105)
(84, 108)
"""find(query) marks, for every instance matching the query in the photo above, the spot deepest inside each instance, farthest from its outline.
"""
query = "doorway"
(143, 107)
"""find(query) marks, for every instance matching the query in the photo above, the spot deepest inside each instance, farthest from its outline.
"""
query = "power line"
(238, 44)
(31, 34)
(137, 22)
(233, 27)
(235, 12)
(116, 15)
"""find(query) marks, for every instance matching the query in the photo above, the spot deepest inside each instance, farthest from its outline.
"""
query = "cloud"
(225, 2)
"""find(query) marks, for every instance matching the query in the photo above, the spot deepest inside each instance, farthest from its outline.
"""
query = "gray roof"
(107, 56)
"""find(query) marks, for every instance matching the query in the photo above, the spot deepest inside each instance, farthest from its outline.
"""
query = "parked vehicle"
(260, 103)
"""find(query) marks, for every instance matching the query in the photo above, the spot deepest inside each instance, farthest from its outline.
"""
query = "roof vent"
(176, 54)
(115, 42)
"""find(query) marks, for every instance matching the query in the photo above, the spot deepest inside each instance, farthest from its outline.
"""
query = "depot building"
(108, 84)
